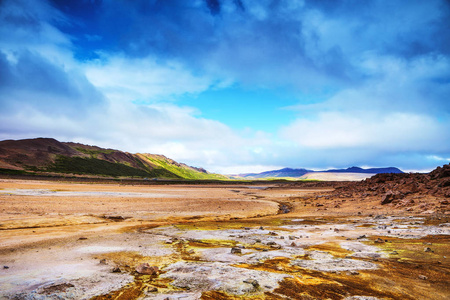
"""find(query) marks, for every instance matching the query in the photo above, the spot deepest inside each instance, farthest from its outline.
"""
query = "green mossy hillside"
(93, 166)
(180, 170)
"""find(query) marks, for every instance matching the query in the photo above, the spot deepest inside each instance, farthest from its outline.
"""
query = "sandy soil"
(84, 241)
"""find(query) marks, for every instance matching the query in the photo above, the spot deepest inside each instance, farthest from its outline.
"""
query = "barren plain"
(71, 240)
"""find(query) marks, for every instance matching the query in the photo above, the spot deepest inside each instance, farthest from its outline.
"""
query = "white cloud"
(143, 79)
(377, 131)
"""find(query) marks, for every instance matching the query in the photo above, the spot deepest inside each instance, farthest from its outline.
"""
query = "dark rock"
(146, 269)
(387, 198)
(253, 282)
(236, 250)
(103, 261)
(116, 270)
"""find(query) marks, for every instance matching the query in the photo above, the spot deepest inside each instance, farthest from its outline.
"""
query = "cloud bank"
(112, 73)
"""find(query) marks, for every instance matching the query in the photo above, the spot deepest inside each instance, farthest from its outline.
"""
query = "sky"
(233, 86)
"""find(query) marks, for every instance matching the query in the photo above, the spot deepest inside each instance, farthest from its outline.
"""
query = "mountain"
(286, 172)
(46, 155)
(365, 171)
(310, 174)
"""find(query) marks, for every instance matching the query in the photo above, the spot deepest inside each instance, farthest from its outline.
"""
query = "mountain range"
(49, 156)
(288, 172)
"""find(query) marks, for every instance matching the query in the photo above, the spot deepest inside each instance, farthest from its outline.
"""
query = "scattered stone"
(146, 269)
(261, 228)
(82, 238)
(271, 243)
(273, 233)
(361, 237)
(336, 230)
(191, 251)
(258, 240)
(247, 228)
(292, 237)
(236, 250)
(428, 249)
(152, 289)
(5, 267)
(103, 261)
(293, 244)
(423, 277)
(387, 198)
(379, 241)
(253, 282)
(116, 270)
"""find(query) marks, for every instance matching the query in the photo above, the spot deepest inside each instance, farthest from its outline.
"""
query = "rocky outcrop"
(402, 189)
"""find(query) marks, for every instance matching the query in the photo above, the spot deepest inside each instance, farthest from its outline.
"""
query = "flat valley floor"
(62, 240)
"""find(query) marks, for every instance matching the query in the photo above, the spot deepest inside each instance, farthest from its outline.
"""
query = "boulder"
(146, 269)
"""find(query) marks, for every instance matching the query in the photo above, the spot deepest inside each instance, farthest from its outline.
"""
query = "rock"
(273, 233)
(253, 282)
(261, 228)
(116, 270)
(146, 269)
(103, 261)
(82, 238)
(423, 277)
(428, 249)
(236, 250)
(361, 237)
(291, 237)
(387, 198)
(5, 267)
(378, 240)
(353, 272)
(152, 289)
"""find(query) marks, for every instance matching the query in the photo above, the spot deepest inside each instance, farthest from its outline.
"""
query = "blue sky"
(233, 85)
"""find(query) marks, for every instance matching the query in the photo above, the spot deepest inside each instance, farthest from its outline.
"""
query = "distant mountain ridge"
(289, 172)
(365, 171)
(47, 155)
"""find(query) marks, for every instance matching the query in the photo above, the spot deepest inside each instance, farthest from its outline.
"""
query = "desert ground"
(72, 240)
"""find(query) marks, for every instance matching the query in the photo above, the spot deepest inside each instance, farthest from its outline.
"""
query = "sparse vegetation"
(80, 165)
(182, 171)
(93, 153)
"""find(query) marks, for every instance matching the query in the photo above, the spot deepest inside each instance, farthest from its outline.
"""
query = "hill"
(46, 155)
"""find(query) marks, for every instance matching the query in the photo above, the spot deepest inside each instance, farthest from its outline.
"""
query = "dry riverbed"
(94, 241)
